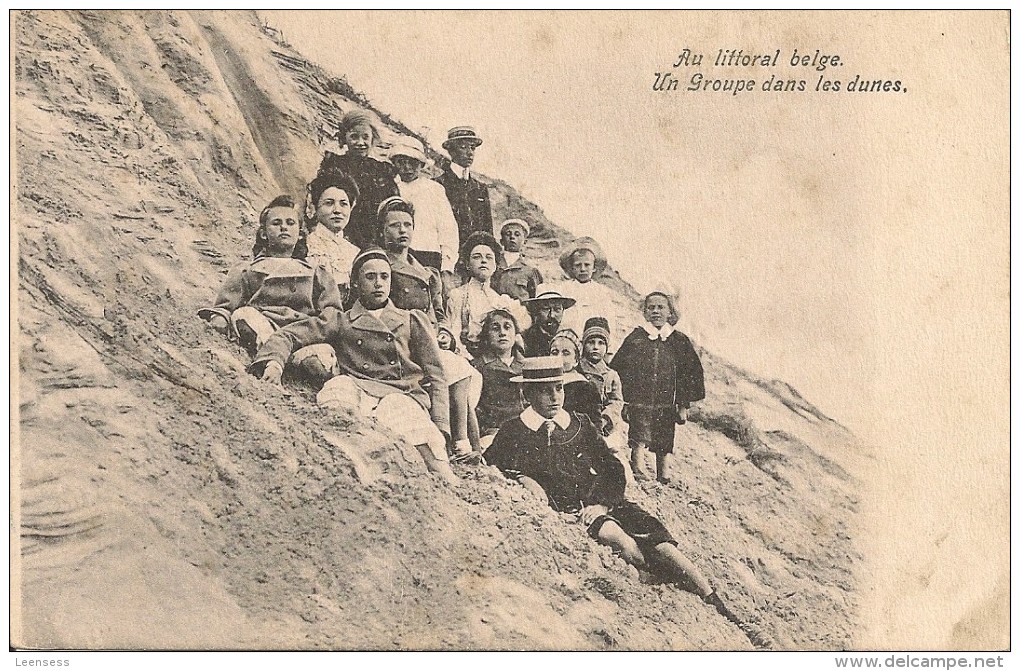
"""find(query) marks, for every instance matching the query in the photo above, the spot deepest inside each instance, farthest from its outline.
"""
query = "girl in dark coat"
(661, 375)
(376, 180)
(581, 395)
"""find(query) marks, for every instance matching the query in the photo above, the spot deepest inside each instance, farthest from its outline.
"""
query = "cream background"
(854, 245)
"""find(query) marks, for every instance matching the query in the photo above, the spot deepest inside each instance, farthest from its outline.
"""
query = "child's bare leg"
(459, 411)
(474, 434)
(682, 570)
(638, 465)
(661, 464)
(612, 535)
(438, 466)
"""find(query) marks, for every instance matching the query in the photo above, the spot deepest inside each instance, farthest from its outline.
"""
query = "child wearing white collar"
(661, 376)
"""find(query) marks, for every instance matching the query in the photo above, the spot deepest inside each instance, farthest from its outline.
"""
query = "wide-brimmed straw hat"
(583, 243)
(458, 133)
(410, 147)
(540, 369)
(545, 294)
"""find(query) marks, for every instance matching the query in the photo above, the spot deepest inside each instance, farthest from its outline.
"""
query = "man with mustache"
(468, 197)
(546, 310)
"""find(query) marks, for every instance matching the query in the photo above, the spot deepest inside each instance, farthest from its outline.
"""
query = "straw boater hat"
(584, 243)
(540, 369)
(518, 222)
(461, 133)
(410, 147)
(544, 294)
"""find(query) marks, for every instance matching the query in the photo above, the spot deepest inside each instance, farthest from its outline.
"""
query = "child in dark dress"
(498, 362)
(376, 180)
(581, 395)
(661, 375)
(562, 458)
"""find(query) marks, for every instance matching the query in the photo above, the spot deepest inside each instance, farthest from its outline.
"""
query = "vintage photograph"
(510, 331)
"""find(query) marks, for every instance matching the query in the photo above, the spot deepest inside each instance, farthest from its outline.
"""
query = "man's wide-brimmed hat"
(583, 243)
(540, 369)
(546, 294)
(458, 133)
(410, 147)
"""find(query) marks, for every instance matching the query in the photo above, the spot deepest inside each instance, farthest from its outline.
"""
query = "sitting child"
(275, 289)
(661, 375)
(473, 300)
(515, 277)
(595, 346)
(563, 459)
(498, 362)
(388, 359)
(465, 390)
(581, 395)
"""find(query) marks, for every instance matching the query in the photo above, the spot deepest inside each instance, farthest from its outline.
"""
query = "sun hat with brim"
(543, 294)
(516, 222)
(410, 147)
(458, 133)
(587, 244)
(540, 369)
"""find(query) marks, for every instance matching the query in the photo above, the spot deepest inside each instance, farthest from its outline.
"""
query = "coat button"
(364, 365)
(407, 290)
(359, 342)
(393, 363)
(389, 338)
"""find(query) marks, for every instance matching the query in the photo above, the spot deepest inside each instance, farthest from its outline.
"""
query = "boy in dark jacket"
(561, 456)
(661, 376)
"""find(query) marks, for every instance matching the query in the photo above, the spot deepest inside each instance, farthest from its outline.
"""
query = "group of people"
(390, 292)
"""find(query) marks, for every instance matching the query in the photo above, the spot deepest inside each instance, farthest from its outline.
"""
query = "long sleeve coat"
(285, 290)
(395, 352)
(574, 466)
(469, 199)
(659, 373)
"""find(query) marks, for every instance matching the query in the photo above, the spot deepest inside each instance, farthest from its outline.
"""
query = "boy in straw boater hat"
(515, 277)
(562, 458)
(436, 237)
(388, 358)
(468, 197)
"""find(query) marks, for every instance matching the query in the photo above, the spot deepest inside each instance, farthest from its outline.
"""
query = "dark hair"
(674, 316)
(366, 255)
(259, 248)
(318, 186)
(391, 204)
(473, 240)
(499, 312)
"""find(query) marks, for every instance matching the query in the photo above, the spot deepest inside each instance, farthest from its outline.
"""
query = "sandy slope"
(167, 499)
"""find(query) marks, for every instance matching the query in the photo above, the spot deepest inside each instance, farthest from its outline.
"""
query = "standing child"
(595, 347)
(376, 180)
(498, 362)
(275, 290)
(662, 376)
(515, 277)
